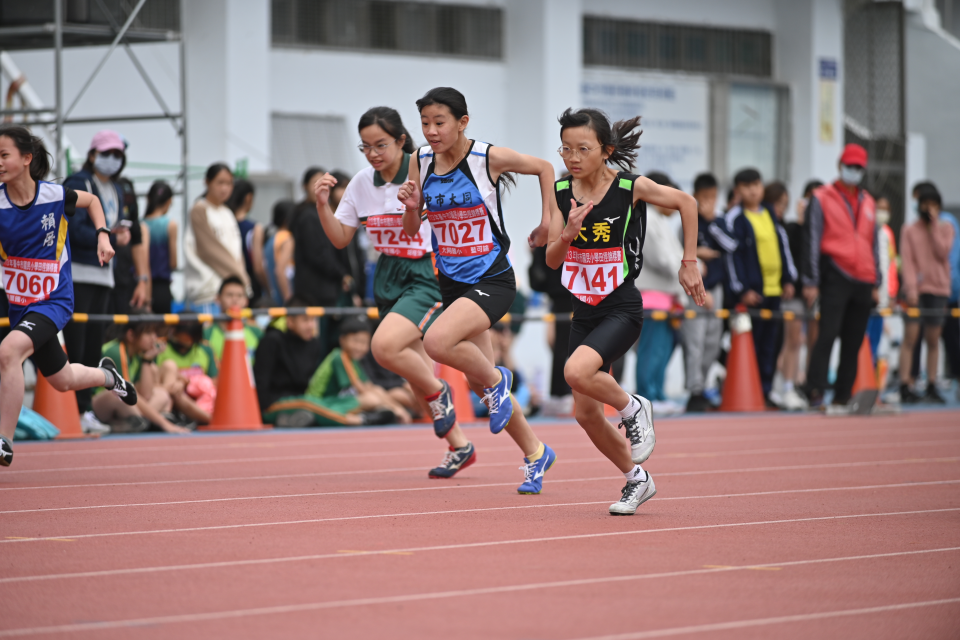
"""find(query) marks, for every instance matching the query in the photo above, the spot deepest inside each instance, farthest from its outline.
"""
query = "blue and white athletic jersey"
(35, 255)
(469, 237)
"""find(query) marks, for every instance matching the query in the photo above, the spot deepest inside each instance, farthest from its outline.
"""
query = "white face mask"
(883, 216)
(107, 165)
(851, 176)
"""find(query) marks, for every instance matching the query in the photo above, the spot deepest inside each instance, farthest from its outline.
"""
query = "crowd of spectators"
(835, 256)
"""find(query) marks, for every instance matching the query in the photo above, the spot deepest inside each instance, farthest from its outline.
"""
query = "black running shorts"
(609, 329)
(48, 355)
(494, 294)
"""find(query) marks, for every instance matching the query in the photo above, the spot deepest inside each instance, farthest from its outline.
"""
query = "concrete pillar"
(227, 46)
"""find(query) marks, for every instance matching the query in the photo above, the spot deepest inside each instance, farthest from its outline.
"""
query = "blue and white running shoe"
(499, 402)
(444, 416)
(533, 471)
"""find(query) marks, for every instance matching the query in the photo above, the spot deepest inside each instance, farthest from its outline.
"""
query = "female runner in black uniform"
(597, 229)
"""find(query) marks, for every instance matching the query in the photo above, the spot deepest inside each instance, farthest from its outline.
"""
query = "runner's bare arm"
(504, 160)
(562, 235)
(670, 198)
(340, 234)
(94, 209)
(412, 199)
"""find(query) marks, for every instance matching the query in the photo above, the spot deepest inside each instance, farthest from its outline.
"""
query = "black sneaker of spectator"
(383, 416)
(698, 403)
(933, 394)
(908, 396)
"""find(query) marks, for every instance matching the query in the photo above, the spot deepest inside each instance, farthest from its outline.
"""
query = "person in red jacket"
(842, 270)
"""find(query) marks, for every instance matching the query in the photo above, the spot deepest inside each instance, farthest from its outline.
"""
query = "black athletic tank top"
(608, 253)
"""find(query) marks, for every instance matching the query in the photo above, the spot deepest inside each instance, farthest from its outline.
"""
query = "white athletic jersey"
(370, 201)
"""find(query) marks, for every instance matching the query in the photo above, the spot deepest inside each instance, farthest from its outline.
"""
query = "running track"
(764, 526)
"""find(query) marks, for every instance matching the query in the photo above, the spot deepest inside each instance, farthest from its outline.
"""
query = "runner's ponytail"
(620, 140)
(26, 142)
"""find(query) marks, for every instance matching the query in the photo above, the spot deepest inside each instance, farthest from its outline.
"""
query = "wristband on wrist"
(103, 230)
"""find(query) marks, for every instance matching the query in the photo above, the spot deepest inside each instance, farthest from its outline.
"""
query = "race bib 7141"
(593, 274)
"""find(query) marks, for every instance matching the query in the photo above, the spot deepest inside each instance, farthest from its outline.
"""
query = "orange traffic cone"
(59, 407)
(742, 390)
(866, 379)
(236, 407)
(462, 396)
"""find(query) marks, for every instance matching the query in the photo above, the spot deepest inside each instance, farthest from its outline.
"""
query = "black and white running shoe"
(454, 461)
(6, 452)
(639, 429)
(632, 496)
(124, 389)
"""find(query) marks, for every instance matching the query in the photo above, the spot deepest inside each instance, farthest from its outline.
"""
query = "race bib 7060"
(30, 280)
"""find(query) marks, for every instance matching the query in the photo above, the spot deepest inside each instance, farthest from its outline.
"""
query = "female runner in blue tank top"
(597, 230)
(458, 181)
(404, 286)
(35, 257)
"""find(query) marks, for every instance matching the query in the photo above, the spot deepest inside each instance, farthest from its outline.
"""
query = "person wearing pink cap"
(841, 269)
(93, 283)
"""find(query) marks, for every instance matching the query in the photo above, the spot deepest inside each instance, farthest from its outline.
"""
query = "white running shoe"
(90, 424)
(639, 428)
(633, 495)
(793, 401)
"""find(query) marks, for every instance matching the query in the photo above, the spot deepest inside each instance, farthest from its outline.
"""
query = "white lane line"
(563, 445)
(455, 511)
(475, 486)
(760, 622)
(257, 442)
(462, 593)
(826, 465)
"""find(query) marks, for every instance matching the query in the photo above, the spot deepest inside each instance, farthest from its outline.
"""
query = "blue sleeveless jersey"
(35, 255)
(470, 241)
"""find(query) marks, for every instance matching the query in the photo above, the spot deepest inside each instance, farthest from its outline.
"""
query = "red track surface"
(766, 526)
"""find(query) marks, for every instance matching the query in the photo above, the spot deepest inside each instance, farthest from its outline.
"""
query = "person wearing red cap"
(93, 283)
(841, 270)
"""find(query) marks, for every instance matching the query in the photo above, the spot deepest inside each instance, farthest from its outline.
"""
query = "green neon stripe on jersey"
(623, 247)
(563, 185)
(626, 184)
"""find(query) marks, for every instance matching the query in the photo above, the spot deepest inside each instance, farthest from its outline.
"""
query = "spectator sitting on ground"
(761, 269)
(925, 268)
(232, 296)
(337, 393)
(133, 353)
(188, 371)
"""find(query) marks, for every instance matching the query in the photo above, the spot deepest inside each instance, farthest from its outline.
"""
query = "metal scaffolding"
(78, 23)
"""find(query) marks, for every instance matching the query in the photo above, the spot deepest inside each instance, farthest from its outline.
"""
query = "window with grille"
(671, 47)
(380, 25)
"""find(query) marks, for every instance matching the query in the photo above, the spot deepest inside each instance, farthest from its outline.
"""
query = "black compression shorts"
(610, 330)
(494, 294)
(48, 355)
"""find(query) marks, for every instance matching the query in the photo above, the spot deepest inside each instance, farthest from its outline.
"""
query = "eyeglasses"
(375, 150)
(566, 152)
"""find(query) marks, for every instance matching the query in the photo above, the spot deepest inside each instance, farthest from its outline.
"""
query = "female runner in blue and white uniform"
(35, 255)
(458, 180)
(404, 285)
(596, 234)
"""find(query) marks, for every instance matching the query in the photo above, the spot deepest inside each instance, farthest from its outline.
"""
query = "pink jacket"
(924, 263)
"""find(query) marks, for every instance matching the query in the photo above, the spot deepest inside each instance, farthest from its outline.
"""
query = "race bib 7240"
(30, 280)
(593, 274)
(462, 232)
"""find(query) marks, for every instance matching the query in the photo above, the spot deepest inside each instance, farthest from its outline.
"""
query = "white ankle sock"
(109, 381)
(637, 474)
(787, 386)
(632, 407)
